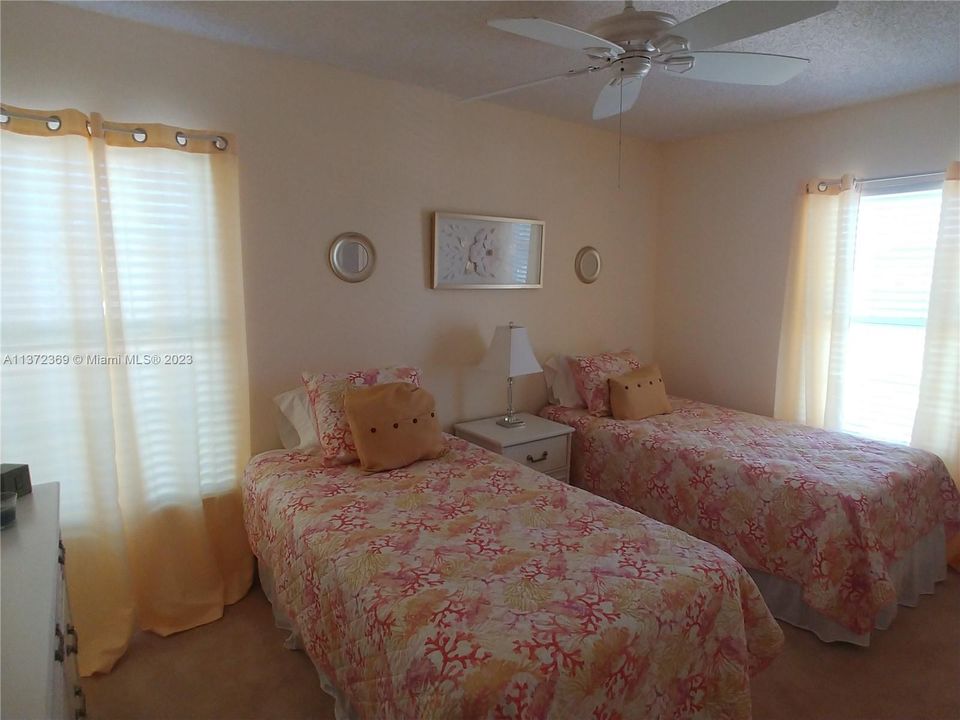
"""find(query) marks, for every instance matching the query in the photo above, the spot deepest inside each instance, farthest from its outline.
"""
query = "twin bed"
(473, 587)
(836, 530)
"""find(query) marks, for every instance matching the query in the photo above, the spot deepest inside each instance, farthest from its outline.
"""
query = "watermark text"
(97, 359)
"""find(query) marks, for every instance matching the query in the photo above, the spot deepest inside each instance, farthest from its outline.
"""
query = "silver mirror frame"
(587, 252)
(343, 273)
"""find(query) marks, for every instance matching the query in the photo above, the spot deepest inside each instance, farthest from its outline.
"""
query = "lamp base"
(511, 421)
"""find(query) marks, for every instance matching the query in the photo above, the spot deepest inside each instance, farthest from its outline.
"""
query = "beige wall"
(728, 203)
(699, 233)
(325, 151)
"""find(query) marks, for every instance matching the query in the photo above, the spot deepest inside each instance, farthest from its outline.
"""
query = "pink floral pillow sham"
(326, 391)
(590, 373)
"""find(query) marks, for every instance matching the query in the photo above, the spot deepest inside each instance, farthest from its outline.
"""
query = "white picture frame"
(479, 252)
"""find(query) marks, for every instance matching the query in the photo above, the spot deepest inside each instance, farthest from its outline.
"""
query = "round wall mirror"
(352, 257)
(587, 264)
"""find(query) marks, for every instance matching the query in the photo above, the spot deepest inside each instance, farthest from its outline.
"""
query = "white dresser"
(38, 673)
(541, 444)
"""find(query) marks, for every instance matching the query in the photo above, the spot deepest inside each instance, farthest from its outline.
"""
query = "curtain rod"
(824, 184)
(107, 126)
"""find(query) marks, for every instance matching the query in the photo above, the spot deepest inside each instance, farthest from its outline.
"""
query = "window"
(870, 342)
(119, 330)
(893, 266)
(122, 363)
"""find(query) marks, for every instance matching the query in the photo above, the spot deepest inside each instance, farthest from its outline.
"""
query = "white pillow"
(295, 421)
(561, 388)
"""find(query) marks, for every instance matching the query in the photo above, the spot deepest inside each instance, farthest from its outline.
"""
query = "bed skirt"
(341, 708)
(913, 575)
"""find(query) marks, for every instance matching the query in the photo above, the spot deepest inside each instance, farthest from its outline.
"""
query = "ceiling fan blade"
(531, 83)
(609, 102)
(742, 18)
(557, 34)
(738, 68)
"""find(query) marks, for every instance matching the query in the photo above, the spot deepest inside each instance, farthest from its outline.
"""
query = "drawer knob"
(81, 712)
(532, 459)
(72, 649)
(58, 653)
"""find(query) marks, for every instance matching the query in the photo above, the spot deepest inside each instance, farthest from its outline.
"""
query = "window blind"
(893, 265)
(115, 329)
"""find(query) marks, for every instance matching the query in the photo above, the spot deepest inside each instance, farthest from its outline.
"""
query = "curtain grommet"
(822, 186)
(53, 123)
(139, 135)
(181, 138)
(220, 142)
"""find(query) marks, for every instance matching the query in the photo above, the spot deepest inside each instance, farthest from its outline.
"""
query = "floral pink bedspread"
(473, 587)
(827, 510)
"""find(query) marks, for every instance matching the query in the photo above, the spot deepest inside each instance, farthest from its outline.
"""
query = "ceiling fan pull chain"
(620, 132)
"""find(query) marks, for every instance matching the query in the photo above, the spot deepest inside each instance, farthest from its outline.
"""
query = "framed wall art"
(492, 253)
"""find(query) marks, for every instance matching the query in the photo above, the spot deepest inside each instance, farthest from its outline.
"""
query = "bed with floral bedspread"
(826, 510)
(473, 587)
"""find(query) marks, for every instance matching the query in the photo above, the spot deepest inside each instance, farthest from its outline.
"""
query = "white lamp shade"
(510, 353)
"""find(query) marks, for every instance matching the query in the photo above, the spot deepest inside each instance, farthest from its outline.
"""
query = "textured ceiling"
(861, 51)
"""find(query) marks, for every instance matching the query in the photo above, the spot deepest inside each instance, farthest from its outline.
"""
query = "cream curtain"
(124, 365)
(816, 315)
(937, 423)
(816, 322)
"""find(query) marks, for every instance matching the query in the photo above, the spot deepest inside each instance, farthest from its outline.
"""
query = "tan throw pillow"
(393, 425)
(639, 394)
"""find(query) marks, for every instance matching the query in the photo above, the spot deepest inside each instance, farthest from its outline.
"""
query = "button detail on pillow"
(639, 394)
(393, 425)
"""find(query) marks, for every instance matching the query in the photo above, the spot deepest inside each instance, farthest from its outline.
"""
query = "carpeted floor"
(237, 668)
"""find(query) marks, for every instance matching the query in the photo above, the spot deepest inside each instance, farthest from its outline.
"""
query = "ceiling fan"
(631, 44)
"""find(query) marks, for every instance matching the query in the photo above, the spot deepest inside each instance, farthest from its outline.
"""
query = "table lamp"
(510, 354)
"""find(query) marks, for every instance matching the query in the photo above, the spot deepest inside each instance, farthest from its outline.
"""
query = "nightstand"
(541, 444)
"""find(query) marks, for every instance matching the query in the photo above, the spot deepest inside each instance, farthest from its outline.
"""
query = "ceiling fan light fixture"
(600, 53)
(679, 63)
(672, 43)
(632, 68)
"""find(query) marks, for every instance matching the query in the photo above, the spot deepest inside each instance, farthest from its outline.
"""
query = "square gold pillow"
(393, 425)
(639, 394)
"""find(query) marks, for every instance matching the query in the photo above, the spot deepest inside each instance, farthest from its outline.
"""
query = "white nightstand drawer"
(543, 455)
(544, 442)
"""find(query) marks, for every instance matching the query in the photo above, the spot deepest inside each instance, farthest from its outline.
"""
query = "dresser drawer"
(543, 455)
